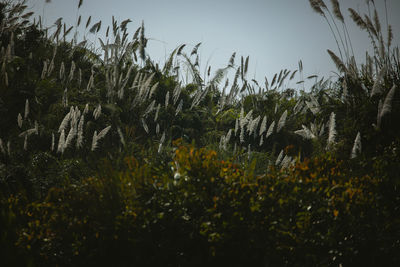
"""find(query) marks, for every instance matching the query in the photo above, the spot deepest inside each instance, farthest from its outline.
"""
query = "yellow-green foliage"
(201, 210)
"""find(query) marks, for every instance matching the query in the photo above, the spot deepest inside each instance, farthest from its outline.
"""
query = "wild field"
(108, 159)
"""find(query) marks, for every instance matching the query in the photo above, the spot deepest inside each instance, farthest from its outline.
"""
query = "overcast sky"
(276, 34)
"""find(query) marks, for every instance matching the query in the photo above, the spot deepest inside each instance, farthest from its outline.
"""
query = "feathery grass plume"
(26, 113)
(357, 19)
(332, 129)
(305, 133)
(157, 128)
(285, 163)
(61, 141)
(254, 125)
(166, 99)
(97, 112)
(2, 147)
(72, 71)
(44, 70)
(261, 140)
(378, 87)
(62, 71)
(387, 104)
(176, 93)
(88, 22)
(389, 36)
(241, 137)
(94, 141)
(370, 26)
(356, 147)
(339, 64)
(279, 158)
(19, 120)
(96, 27)
(336, 10)
(26, 142)
(149, 108)
(153, 89)
(179, 108)
(52, 142)
(227, 138)
(263, 126)
(121, 136)
(86, 109)
(270, 130)
(70, 137)
(157, 111)
(378, 117)
(161, 142)
(282, 121)
(103, 132)
(236, 125)
(90, 82)
(316, 6)
(79, 139)
(65, 121)
(144, 124)
(195, 48)
(377, 22)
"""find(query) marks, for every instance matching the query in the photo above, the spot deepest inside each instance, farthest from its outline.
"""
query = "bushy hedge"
(203, 211)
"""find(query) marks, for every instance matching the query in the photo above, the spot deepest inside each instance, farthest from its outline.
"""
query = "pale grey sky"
(276, 34)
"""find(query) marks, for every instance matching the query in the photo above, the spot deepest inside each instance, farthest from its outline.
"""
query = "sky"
(275, 34)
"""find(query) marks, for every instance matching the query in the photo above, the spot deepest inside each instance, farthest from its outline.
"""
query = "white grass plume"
(79, 139)
(26, 109)
(270, 129)
(166, 99)
(97, 137)
(179, 108)
(144, 124)
(65, 122)
(52, 141)
(282, 121)
(263, 126)
(279, 158)
(61, 141)
(332, 130)
(356, 147)
(19, 120)
(97, 112)
(387, 104)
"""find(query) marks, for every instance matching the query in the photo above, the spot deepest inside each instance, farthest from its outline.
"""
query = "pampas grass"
(270, 129)
(332, 129)
(61, 141)
(356, 146)
(97, 137)
(282, 121)
(26, 113)
(19, 120)
(387, 104)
